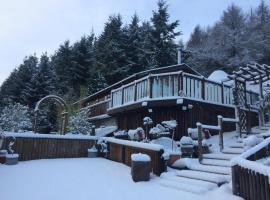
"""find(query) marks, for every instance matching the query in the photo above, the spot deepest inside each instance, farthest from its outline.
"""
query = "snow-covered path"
(85, 179)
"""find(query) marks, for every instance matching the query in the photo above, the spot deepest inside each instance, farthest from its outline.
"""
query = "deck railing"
(176, 84)
(250, 179)
(99, 108)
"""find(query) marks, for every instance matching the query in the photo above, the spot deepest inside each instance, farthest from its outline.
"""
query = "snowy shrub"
(147, 121)
(15, 118)
(186, 141)
(136, 134)
(170, 124)
(79, 123)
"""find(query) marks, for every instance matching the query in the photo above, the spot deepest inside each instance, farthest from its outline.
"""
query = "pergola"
(256, 74)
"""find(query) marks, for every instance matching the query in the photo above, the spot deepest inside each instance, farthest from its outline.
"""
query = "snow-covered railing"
(176, 84)
(250, 179)
(121, 151)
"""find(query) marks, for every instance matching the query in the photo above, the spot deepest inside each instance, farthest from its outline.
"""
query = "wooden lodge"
(175, 92)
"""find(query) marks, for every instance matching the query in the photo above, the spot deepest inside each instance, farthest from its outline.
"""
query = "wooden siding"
(201, 112)
(41, 148)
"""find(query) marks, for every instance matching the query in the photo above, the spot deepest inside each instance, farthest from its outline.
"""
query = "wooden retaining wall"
(249, 183)
(32, 148)
(122, 153)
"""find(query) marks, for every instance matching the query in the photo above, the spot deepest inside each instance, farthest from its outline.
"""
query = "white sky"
(36, 26)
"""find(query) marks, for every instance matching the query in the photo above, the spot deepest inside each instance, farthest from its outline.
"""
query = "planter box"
(173, 158)
(12, 159)
(140, 169)
(92, 153)
(187, 150)
(3, 156)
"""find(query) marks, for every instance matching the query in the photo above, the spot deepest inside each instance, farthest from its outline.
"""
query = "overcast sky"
(36, 26)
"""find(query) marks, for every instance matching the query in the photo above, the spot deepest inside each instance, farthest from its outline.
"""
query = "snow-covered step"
(205, 176)
(215, 162)
(211, 169)
(184, 186)
(187, 180)
(237, 145)
(233, 150)
(219, 156)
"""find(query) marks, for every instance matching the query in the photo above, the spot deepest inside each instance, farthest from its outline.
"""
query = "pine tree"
(41, 83)
(147, 49)
(133, 46)
(111, 55)
(197, 38)
(163, 35)
(82, 61)
(61, 62)
(25, 74)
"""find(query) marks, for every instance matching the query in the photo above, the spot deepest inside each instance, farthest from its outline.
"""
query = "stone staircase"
(213, 171)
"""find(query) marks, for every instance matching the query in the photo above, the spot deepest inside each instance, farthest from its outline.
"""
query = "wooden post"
(149, 87)
(200, 149)
(220, 124)
(135, 91)
(237, 125)
(235, 180)
(222, 93)
(203, 88)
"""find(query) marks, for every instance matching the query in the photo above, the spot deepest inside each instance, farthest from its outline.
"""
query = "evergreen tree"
(9, 90)
(25, 74)
(41, 83)
(83, 61)
(61, 62)
(163, 35)
(15, 118)
(111, 55)
(132, 46)
(197, 38)
(147, 50)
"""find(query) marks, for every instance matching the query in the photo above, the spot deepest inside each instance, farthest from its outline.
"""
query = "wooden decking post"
(220, 124)
(200, 149)
(203, 88)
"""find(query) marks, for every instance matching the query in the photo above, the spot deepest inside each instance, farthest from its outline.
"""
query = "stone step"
(219, 156)
(211, 169)
(233, 150)
(204, 176)
(237, 145)
(216, 162)
(187, 184)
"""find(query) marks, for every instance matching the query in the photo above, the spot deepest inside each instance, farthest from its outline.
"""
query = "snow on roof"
(218, 76)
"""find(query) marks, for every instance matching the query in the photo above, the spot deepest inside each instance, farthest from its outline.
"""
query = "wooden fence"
(121, 151)
(31, 148)
(250, 179)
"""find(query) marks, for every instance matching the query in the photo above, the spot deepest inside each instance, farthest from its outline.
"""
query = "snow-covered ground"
(88, 178)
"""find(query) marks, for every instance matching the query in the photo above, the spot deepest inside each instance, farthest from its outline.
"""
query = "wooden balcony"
(169, 86)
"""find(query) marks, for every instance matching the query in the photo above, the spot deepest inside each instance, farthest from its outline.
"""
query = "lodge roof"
(173, 68)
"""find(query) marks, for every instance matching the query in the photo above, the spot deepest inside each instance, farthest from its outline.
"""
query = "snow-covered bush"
(186, 141)
(136, 134)
(15, 118)
(170, 124)
(147, 121)
(79, 123)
